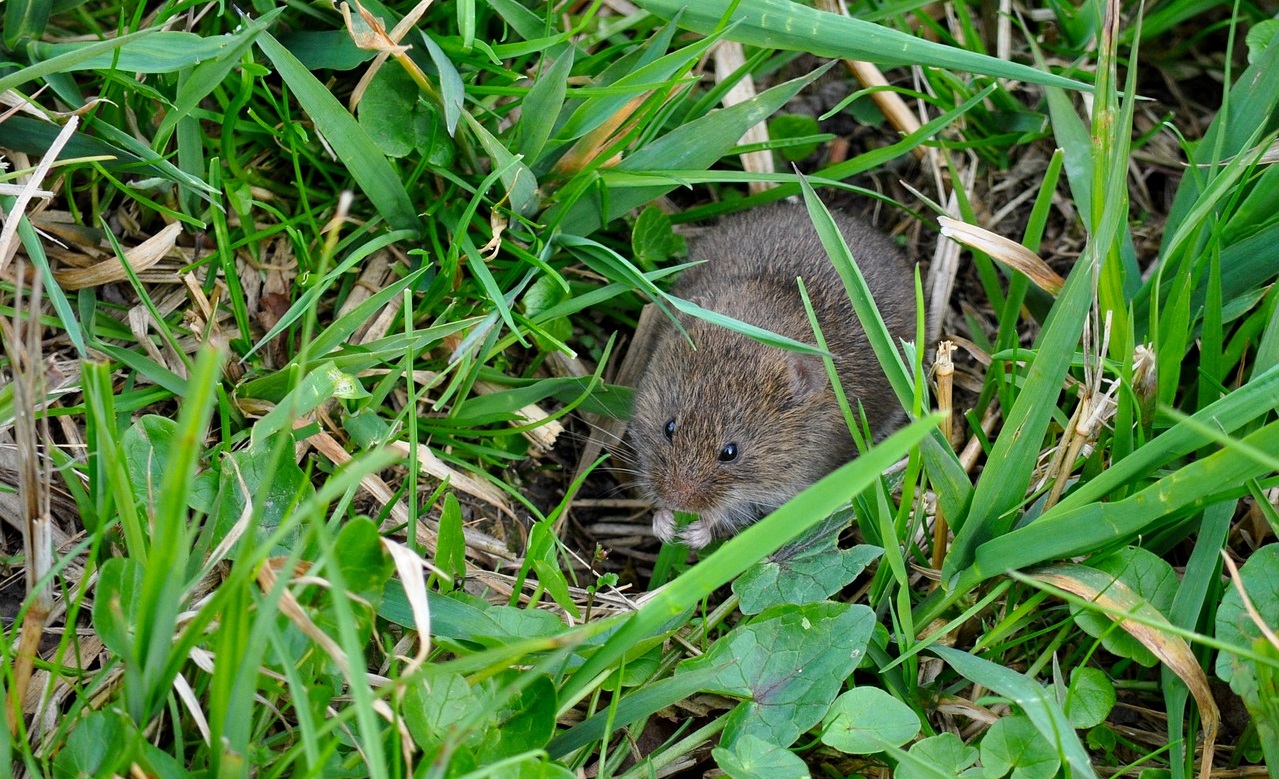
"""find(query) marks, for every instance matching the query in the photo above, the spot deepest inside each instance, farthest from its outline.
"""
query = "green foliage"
(1149, 578)
(755, 758)
(1253, 678)
(1013, 745)
(788, 663)
(866, 720)
(806, 571)
(1089, 699)
(254, 515)
(937, 756)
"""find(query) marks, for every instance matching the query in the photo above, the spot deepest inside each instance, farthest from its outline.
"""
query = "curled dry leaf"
(1010, 253)
(140, 258)
(1142, 621)
(409, 566)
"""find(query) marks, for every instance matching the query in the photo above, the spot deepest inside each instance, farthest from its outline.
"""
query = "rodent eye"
(669, 430)
(728, 453)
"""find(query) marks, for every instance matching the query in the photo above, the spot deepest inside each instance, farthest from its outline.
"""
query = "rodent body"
(734, 428)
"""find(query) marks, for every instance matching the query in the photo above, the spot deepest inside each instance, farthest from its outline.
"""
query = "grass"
(306, 319)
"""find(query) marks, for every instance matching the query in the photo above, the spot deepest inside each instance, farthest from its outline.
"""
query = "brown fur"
(775, 405)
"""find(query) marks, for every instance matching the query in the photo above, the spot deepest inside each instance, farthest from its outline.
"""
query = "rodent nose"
(682, 496)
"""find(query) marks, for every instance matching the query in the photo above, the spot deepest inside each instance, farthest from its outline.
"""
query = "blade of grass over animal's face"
(782, 24)
(746, 549)
(1061, 534)
(1030, 697)
(695, 145)
(366, 163)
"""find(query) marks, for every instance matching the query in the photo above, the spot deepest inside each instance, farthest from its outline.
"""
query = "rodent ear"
(807, 375)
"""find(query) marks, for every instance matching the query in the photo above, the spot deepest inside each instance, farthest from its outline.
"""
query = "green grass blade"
(24, 20)
(1093, 526)
(1199, 583)
(953, 486)
(641, 703)
(69, 60)
(66, 316)
(165, 580)
(307, 301)
(1016, 451)
(782, 24)
(1228, 414)
(697, 144)
(543, 103)
(210, 73)
(366, 163)
(165, 51)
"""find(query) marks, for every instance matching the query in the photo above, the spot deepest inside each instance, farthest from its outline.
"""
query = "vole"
(732, 429)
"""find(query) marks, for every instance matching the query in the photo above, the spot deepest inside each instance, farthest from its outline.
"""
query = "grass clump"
(304, 307)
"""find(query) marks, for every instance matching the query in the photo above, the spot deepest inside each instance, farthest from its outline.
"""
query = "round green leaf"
(786, 126)
(400, 122)
(866, 720)
(1090, 698)
(437, 705)
(524, 723)
(807, 571)
(942, 754)
(100, 745)
(789, 662)
(1013, 744)
(755, 758)
(146, 446)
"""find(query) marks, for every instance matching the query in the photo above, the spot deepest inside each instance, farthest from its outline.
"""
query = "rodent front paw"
(697, 534)
(664, 525)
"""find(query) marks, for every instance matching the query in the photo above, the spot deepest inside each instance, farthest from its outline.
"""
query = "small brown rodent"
(733, 429)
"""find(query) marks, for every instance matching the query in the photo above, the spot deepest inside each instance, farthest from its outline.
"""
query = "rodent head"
(731, 430)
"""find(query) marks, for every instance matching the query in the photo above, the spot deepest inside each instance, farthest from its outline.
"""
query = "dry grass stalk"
(945, 371)
(371, 34)
(1092, 411)
(23, 340)
(31, 189)
(869, 75)
(729, 56)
